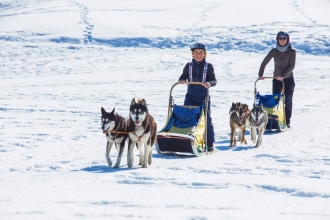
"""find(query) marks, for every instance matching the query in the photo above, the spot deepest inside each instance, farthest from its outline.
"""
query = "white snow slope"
(62, 60)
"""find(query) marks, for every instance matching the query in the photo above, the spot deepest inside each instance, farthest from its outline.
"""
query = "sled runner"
(185, 130)
(274, 105)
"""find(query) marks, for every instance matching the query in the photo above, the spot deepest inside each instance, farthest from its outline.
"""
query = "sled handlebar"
(267, 77)
(187, 83)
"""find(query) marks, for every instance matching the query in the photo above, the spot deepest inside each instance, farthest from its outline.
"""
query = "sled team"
(140, 129)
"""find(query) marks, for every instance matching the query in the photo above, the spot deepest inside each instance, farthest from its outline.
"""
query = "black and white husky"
(142, 133)
(116, 129)
(258, 121)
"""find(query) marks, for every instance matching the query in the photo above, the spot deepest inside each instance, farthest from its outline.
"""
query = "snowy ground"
(61, 61)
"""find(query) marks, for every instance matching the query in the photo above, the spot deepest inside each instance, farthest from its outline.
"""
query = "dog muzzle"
(137, 123)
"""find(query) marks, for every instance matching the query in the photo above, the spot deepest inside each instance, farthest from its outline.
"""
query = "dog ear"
(102, 110)
(144, 102)
(113, 110)
(133, 102)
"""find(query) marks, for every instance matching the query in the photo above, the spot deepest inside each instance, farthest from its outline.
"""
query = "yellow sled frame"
(275, 114)
(181, 141)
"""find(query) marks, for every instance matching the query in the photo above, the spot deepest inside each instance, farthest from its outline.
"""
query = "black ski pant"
(289, 85)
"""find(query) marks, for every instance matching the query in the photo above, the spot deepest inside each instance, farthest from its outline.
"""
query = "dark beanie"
(198, 46)
(283, 34)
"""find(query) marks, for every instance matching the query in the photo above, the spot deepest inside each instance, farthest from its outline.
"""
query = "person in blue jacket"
(198, 70)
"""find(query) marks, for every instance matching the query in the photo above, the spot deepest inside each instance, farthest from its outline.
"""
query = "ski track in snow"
(238, 38)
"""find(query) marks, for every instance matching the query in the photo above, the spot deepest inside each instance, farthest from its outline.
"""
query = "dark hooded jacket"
(284, 59)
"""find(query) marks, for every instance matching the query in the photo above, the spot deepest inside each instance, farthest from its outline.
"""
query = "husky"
(258, 121)
(116, 129)
(239, 114)
(143, 132)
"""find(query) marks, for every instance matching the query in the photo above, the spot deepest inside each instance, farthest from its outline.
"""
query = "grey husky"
(258, 121)
(116, 129)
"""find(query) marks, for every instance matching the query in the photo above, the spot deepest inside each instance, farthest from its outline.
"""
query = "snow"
(61, 61)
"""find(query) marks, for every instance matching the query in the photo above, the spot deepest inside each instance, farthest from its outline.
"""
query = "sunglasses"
(282, 38)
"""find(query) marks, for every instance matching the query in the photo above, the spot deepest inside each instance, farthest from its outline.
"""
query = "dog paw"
(244, 142)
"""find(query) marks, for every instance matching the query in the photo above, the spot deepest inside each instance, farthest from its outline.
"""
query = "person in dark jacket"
(284, 62)
(198, 70)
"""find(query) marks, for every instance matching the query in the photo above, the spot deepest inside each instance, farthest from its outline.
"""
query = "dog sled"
(274, 105)
(185, 130)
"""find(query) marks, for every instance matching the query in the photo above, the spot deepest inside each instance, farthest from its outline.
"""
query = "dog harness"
(204, 72)
(139, 137)
(240, 119)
